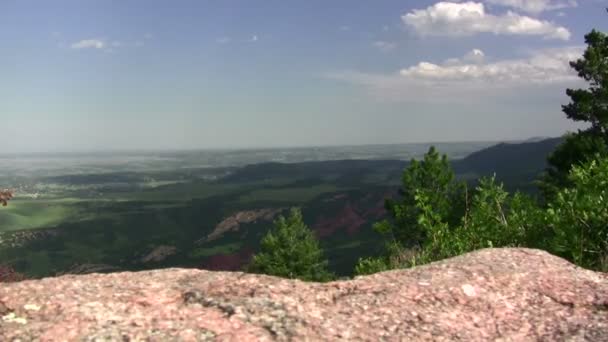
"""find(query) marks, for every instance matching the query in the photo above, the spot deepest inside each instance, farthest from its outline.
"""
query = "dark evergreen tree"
(290, 250)
(587, 105)
(433, 178)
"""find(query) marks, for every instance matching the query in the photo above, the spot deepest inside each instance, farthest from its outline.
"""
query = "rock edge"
(491, 294)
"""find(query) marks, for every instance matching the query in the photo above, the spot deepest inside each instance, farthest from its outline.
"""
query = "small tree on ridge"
(290, 250)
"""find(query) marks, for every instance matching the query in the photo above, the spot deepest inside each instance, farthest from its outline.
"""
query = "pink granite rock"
(492, 294)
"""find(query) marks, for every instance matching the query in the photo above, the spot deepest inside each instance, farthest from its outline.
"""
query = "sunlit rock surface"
(504, 294)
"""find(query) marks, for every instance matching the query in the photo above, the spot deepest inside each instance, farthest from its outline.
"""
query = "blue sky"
(125, 74)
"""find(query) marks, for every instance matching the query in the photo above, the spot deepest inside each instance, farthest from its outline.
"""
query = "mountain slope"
(516, 164)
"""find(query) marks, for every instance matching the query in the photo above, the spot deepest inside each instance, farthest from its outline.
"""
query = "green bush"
(495, 219)
(578, 216)
(396, 256)
(371, 265)
(574, 224)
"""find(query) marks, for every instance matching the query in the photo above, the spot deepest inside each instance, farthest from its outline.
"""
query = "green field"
(117, 225)
(32, 214)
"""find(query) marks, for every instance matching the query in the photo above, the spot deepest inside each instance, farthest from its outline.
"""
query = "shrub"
(578, 216)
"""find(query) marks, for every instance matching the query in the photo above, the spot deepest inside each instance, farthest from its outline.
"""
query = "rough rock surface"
(493, 294)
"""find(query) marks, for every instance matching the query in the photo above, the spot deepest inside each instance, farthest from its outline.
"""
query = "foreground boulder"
(504, 294)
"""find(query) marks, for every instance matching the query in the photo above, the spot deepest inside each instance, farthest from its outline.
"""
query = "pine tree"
(587, 105)
(434, 178)
(290, 250)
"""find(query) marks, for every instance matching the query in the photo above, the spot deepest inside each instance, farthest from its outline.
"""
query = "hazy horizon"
(232, 75)
(266, 148)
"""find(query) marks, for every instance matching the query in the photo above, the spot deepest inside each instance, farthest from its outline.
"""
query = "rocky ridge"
(492, 294)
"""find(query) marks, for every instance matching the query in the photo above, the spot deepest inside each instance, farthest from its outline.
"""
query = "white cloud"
(544, 67)
(384, 46)
(475, 56)
(344, 28)
(535, 6)
(107, 45)
(89, 44)
(471, 75)
(469, 18)
(226, 40)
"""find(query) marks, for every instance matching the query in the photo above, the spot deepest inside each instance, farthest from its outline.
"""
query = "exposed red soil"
(228, 262)
(9, 275)
(351, 218)
(347, 219)
(378, 211)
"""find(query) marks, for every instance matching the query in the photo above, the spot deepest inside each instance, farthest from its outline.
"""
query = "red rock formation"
(233, 222)
(347, 219)
(493, 294)
(351, 218)
(377, 211)
(159, 253)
